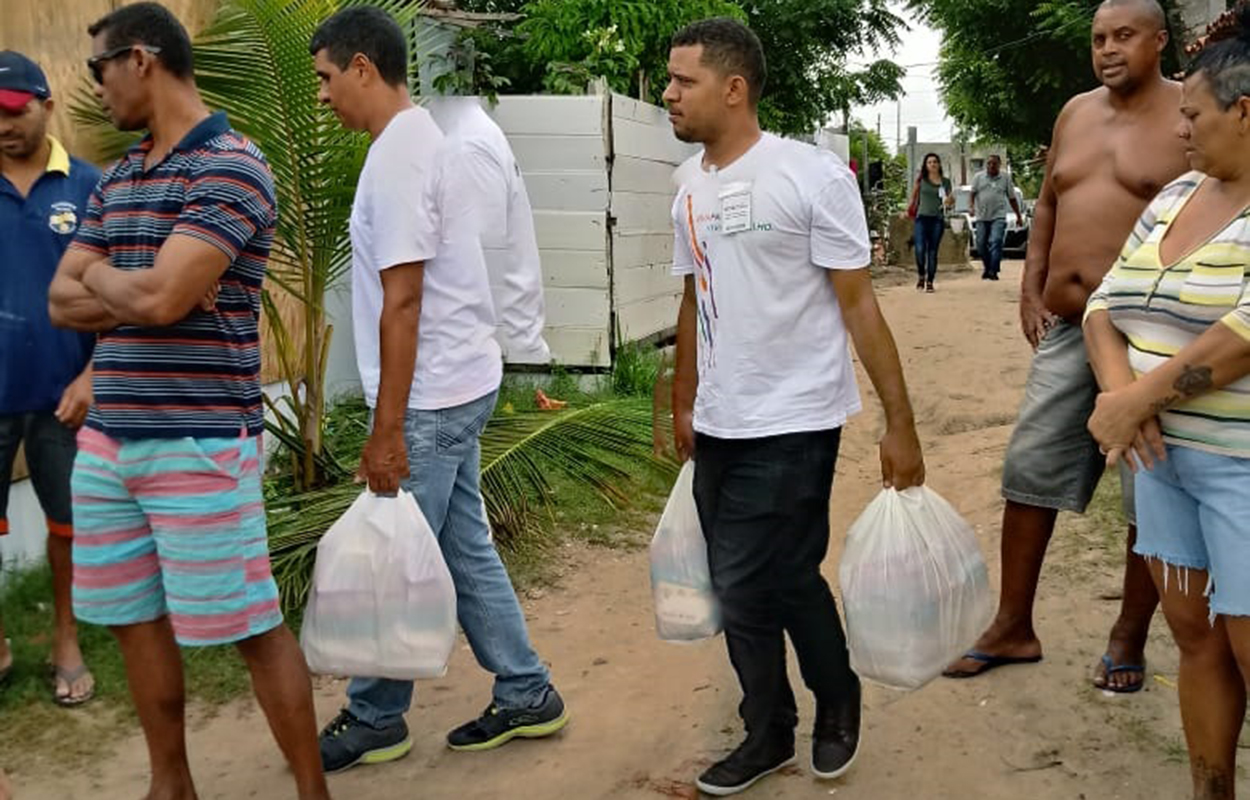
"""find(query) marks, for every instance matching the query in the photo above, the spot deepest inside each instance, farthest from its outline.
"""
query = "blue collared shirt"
(37, 361)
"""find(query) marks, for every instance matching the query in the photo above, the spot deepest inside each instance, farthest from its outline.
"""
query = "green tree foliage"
(560, 44)
(809, 46)
(1008, 66)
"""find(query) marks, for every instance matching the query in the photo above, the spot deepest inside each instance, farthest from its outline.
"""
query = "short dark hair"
(369, 31)
(151, 24)
(729, 47)
(1151, 8)
(1225, 58)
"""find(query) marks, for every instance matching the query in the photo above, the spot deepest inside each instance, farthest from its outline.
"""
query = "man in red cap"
(45, 372)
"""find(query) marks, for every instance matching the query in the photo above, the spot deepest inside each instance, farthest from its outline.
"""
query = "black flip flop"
(988, 663)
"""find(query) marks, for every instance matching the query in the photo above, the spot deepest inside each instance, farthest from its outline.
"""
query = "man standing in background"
(992, 192)
(45, 373)
(506, 223)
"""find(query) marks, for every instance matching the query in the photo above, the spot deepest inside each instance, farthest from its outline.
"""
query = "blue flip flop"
(1110, 668)
(988, 663)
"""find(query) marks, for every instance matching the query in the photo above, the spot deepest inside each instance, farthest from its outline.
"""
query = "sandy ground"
(647, 716)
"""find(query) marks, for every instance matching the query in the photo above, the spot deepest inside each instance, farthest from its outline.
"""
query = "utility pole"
(863, 170)
(912, 167)
(898, 126)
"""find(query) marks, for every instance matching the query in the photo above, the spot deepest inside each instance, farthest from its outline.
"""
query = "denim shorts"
(1052, 461)
(1195, 509)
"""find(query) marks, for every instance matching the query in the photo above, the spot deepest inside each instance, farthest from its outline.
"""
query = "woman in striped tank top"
(1169, 339)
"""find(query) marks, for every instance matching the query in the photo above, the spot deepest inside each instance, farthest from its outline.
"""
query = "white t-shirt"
(772, 348)
(507, 226)
(412, 205)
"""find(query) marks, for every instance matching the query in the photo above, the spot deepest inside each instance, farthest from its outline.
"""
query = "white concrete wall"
(644, 154)
(561, 146)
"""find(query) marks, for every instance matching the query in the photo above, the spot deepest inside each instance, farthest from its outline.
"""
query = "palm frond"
(602, 446)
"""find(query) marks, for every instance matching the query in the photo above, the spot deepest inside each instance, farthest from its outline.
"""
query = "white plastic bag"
(914, 586)
(382, 603)
(685, 607)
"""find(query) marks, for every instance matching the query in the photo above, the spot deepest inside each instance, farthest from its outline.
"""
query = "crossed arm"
(89, 294)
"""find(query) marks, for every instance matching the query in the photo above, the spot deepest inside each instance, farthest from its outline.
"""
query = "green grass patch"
(33, 723)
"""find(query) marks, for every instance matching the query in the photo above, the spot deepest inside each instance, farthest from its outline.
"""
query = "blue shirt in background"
(38, 361)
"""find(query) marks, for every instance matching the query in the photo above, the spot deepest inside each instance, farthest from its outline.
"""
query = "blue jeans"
(444, 460)
(990, 245)
(928, 238)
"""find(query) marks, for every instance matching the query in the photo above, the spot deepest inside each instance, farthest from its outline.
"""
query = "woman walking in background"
(931, 194)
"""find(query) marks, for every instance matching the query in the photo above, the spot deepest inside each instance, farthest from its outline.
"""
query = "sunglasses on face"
(96, 63)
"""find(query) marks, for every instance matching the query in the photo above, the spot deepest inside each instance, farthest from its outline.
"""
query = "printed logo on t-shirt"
(63, 218)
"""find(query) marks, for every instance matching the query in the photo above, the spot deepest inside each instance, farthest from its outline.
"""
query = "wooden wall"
(54, 34)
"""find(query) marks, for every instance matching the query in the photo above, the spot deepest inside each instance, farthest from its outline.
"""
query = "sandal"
(69, 677)
(1110, 668)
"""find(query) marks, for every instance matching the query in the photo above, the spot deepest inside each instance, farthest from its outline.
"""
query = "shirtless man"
(1112, 149)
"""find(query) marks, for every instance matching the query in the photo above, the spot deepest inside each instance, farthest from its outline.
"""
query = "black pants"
(764, 507)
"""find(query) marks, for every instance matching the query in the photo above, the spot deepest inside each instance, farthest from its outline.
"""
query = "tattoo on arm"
(1194, 380)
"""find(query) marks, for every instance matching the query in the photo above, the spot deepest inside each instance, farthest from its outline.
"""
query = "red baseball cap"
(21, 80)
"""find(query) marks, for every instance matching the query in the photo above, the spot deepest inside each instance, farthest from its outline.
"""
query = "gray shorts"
(1052, 461)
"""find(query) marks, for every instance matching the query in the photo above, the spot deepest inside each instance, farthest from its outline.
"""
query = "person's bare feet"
(6, 788)
(74, 682)
(999, 645)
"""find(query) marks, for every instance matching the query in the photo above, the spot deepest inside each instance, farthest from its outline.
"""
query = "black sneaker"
(740, 770)
(498, 725)
(835, 738)
(347, 741)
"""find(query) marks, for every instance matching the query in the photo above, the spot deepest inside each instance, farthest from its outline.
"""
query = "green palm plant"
(252, 62)
(604, 445)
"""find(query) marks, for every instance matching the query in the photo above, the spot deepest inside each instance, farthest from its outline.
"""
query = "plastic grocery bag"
(914, 586)
(382, 603)
(685, 607)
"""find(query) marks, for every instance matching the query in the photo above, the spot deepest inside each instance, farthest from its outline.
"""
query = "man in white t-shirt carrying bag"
(430, 366)
(773, 244)
(506, 222)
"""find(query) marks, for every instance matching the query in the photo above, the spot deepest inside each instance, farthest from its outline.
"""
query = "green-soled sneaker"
(498, 725)
(347, 741)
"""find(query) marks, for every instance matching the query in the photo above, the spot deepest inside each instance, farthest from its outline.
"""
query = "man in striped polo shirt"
(167, 266)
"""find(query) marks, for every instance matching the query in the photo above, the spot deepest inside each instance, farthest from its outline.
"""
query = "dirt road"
(647, 716)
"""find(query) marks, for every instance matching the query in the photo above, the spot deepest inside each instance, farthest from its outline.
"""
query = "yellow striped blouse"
(1160, 308)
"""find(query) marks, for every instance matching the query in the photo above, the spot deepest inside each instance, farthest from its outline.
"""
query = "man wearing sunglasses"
(167, 266)
(45, 374)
